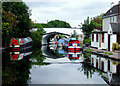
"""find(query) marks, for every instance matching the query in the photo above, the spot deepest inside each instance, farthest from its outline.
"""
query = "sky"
(72, 11)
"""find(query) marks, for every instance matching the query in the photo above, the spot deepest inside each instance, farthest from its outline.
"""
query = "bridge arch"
(47, 36)
(51, 32)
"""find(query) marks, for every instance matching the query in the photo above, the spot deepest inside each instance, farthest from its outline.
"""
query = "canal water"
(53, 65)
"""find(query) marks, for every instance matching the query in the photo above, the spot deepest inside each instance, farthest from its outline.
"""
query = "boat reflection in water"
(110, 69)
(73, 55)
(54, 53)
(18, 55)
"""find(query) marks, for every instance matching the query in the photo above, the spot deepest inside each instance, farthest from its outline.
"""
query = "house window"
(96, 63)
(102, 66)
(92, 61)
(96, 37)
(92, 37)
(110, 19)
(102, 37)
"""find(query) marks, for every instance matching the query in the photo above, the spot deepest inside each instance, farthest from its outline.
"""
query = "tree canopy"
(15, 21)
(87, 27)
(58, 23)
(21, 13)
(91, 24)
(98, 22)
(53, 24)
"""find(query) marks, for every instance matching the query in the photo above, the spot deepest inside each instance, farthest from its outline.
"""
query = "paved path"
(116, 54)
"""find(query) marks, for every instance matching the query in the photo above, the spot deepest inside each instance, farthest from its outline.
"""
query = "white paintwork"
(113, 68)
(105, 64)
(103, 44)
(94, 43)
(113, 39)
(69, 31)
(107, 21)
(63, 30)
(106, 27)
(110, 30)
(102, 59)
(15, 46)
(66, 31)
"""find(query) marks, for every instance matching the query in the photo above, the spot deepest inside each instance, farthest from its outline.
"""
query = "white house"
(110, 32)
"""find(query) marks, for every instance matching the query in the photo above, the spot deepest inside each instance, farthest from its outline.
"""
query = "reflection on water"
(15, 71)
(110, 69)
(20, 54)
(54, 65)
(58, 54)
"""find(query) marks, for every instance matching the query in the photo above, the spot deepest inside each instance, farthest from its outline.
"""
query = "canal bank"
(112, 55)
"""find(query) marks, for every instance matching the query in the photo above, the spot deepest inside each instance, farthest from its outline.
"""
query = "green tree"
(45, 25)
(87, 27)
(15, 21)
(37, 36)
(58, 24)
(21, 13)
(98, 22)
(86, 66)
(8, 26)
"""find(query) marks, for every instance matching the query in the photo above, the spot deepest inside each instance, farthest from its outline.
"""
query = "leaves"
(37, 36)
(57, 24)
(98, 22)
(20, 13)
(15, 21)
(87, 27)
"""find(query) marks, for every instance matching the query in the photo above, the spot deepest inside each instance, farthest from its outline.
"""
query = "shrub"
(87, 55)
(105, 53)
(88, 50)
(87, 41)
(115, 63)
(62, 36)
(110, 53)
(37, 37)
(115, 46)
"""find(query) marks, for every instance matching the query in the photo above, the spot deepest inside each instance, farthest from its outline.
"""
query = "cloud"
(71, 11)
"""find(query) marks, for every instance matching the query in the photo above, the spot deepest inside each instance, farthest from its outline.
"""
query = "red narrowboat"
(74, 46)
(17, 44)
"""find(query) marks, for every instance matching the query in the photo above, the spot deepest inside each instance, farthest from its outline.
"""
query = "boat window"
(65, 42)
(26, 39)
(78, 55)
(70, 44)
(70, 55)
(78, 44)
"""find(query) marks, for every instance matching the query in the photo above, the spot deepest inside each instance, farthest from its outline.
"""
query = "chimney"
(119, 12)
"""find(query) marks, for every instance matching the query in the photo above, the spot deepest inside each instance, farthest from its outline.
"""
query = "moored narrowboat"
(63, 43)
(74, 46)
(17, 44)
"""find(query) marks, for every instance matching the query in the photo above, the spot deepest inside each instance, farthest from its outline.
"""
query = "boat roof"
(73, 38)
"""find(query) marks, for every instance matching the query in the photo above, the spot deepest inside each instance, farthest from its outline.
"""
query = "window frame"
(102, 37)
(93, 37)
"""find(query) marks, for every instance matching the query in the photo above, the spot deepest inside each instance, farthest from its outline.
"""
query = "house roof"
(112, 11)
(115, 27)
